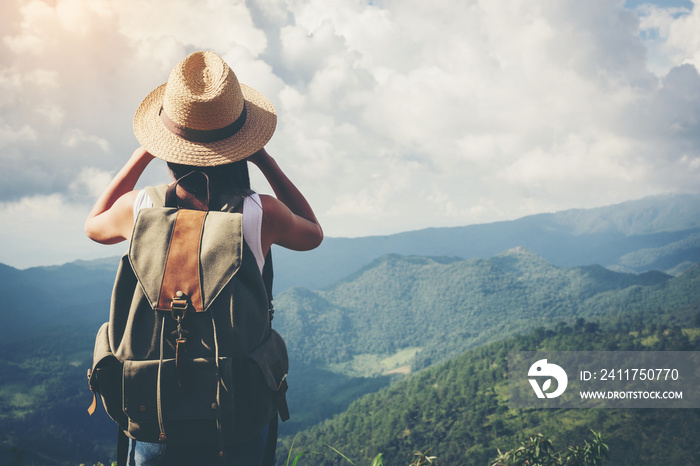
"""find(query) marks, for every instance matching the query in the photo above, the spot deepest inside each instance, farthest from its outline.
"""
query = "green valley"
(459, 410)
(398, 343)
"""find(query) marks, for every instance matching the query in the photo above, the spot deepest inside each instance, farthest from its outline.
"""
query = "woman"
(204, 120)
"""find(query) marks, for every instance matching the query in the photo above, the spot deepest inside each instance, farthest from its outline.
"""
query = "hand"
(260, 158)
(141, 154)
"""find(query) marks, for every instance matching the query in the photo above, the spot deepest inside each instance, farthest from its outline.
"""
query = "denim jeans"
(249, 453)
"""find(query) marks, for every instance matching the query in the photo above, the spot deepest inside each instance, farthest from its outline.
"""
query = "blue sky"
(661, 3)
(394, 115)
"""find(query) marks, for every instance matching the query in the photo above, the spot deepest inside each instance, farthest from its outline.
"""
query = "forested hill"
(40, 299)
(394, 313)
(397, 311)
(655, 233)
(444, 306)
(459, 410)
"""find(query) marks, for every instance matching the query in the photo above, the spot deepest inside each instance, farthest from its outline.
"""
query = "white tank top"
(252, 221)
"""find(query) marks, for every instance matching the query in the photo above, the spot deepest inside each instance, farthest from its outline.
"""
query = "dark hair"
(231, 178)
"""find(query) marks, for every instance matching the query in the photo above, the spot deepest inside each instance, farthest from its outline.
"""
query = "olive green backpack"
(188, 354)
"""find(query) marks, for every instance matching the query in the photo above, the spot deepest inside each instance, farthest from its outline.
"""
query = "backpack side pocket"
(263, 394)
(106, 376)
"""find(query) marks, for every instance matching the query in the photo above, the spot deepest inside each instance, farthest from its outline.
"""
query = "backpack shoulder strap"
(267, 276)
(158, 197)
(157, 194)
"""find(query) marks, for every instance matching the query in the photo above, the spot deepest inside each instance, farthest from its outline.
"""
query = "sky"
(393, 115)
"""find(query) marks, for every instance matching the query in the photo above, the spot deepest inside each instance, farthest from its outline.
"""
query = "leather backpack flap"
(195, 252)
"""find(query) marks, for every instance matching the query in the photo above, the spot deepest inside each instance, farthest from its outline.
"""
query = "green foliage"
(297, 457)
(539, 451)
(446, 307)
(43, 401)
(376, 461)
(378, 317)
(460, 409)
(309, 384)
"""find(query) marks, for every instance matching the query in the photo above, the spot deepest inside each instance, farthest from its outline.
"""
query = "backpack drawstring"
(219, 424)
(159, 403)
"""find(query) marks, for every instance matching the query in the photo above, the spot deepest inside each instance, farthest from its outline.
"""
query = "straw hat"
(203, 116)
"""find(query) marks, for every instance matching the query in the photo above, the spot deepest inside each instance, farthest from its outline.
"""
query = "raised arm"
(288, 219)
(112, 218)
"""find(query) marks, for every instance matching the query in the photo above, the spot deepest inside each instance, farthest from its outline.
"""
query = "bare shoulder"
(114, 224)
(125, 203)
(267, 201)
(271, 206)
(129, 198)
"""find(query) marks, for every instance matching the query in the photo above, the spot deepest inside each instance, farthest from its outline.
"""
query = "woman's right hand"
(142, 154)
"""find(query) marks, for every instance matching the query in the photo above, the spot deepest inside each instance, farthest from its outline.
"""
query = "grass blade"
(299, 455)
(290, 452)
(344, 457)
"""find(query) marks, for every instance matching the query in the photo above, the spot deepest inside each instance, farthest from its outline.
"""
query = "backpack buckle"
(179, 306)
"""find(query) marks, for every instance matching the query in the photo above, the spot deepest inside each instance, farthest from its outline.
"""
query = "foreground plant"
(423, 459)
(377, 461)
(539, 451)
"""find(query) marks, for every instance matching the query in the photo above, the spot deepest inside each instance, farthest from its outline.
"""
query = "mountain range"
(657, 233)
(360, 314)
(402, 314)
(392, 318)
(440, 307)
(654, 233)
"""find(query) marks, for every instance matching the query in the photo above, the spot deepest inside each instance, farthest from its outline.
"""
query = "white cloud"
(74, 71)
(684, 36)
(10, 136)
(42, 229)
(555, 97)
(90, 181)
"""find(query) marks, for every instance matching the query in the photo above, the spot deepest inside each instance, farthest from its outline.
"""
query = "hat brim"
(259, 126)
